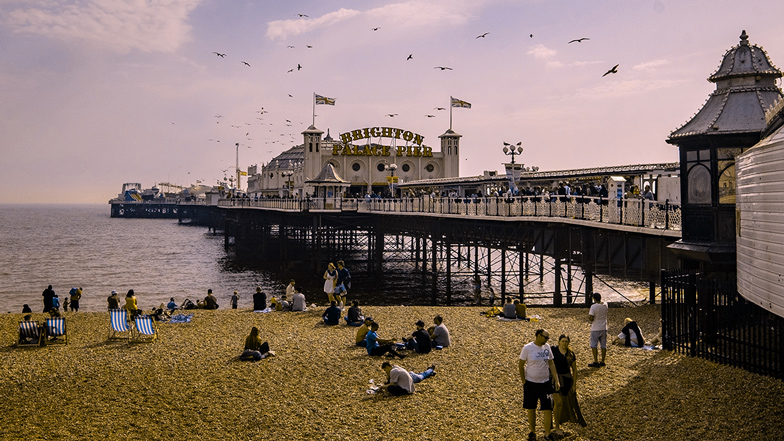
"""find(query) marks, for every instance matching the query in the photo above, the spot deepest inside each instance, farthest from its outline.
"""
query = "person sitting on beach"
(520, 309)
(113, 301)
(255, 349)
(354, 317)
(331, 315)
(630, 335)
(400, 381)
(419, 341)
(376, 346)
(171, 306)
(362, 331)
(130, 304)
(26, 309)
(283, 304)
(439, 334)
(259, 300)
(510, 311)
(298, 302)
(210, 302)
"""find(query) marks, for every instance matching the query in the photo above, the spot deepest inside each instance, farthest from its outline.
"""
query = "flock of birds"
(299, 67)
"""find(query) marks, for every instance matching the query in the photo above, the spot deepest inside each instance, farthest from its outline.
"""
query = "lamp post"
(391, 168)
(509, 149)
(287, 174)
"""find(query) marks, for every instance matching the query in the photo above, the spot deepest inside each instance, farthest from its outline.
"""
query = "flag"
(325, 100)
(460, 103)
(243, 173)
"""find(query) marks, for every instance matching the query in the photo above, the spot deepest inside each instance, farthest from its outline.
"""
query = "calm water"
(80, 245)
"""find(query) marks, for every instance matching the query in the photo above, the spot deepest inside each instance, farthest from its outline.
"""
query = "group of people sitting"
(420, 341)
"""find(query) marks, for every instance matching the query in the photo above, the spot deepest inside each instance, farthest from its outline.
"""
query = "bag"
(72, 291)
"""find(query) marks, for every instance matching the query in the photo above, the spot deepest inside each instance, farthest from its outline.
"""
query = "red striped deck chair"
(55, 330)
(120, 328)
(145, 329)
(29, 334)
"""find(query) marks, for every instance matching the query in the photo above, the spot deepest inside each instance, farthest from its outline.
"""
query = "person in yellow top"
(255, 349)
(76, 294)
(130, 304)
(520, 308)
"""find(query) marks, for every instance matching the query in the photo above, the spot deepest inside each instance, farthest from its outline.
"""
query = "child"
(234, 300)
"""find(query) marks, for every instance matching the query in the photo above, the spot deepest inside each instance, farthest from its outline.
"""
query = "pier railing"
(630, 212)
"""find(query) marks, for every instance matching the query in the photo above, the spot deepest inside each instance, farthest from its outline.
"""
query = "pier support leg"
(557, 300)
(523, 270)
(434, 270)
(588, 286)
(448, 245)
(503, 275)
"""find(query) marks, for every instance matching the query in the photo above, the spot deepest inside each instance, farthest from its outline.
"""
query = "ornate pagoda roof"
(745, 89)
(328, 175)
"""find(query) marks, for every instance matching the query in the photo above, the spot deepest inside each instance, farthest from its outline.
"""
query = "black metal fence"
(707, 318)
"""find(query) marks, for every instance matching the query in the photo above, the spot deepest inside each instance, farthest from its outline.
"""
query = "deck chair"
(29, 334)
(120, 328)
(145, 329)
(55, 330)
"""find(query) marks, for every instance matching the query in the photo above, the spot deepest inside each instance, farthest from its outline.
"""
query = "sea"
(82, 246)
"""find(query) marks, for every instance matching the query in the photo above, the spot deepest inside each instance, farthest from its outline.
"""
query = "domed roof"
(745, 59)
(745, 89)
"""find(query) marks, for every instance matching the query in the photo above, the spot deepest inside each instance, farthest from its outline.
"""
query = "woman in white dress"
(330, 276)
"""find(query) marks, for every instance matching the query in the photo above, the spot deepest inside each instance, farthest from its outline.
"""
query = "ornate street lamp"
(287, 174)
(509, 149)
(391, 168)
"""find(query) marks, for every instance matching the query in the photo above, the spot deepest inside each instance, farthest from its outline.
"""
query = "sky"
(96, 93)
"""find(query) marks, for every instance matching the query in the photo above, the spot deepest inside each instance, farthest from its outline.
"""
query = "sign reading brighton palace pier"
(348, 149)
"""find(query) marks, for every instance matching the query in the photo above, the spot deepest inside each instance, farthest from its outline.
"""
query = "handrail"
(631, 212)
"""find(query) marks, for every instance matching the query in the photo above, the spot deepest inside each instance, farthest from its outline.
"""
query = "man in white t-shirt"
(439, 334)
(540, 381)
(401, 381)
(597, 315)
(298, 300)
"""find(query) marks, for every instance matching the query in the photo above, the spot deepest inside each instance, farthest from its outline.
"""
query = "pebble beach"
(189, 383)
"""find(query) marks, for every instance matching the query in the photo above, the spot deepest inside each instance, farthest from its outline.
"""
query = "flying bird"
(302, 15)
(442, 68)
(430, 116)
(375, 29)
(483, 35)
(440, 108)
(246, 63)
(290, 96)
(309, 47)
(410, 56)
(290, 47)
(299, 67)
(532, 35)
(220, 54)
(290, 71)
(614, 70)
(579, 40)
(391, 115)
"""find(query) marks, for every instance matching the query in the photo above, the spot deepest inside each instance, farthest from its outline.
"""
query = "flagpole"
(314, 109)
(450, 112)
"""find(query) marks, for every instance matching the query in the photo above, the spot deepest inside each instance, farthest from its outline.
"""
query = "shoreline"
(189, 385)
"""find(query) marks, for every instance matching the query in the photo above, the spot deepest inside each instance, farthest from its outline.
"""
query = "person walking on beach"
(234, 299)
(330, 280)
(113, 300)
(48, 295)
(540, 381)
(343, 282)
(565, 407)
(597, 315)
(76, 294)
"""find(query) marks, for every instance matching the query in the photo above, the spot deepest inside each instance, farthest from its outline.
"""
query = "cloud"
(281, 29)
(414, 13)
(119, 25)
(541, 52)
(651, 64)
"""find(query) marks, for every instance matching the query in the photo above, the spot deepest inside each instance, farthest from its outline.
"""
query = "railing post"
(666, 214)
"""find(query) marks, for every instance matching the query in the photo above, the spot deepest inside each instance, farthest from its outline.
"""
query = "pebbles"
(189, 384)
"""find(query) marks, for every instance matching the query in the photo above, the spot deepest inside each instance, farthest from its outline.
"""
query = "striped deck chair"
(120, 328)
(29, 334)
(55, 330)
(145, 329)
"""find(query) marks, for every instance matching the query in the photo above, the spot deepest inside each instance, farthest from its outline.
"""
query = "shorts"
(541, 392)
(598, 337)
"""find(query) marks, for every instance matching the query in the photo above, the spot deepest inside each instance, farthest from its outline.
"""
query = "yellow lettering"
(418, 139)
(396, 133)
(417, 151)
(366, 151)
(357, 150)
(400, 151)
(345, 137)
(386, 151)
(366, 133)
(408, 136)
(374, 132)
(386, 132)
(336, 149)
(376, 151)
(427, 151)
(356, 134)
(408, 151)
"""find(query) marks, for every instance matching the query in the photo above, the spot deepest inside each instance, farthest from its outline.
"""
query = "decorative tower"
(450, 143)
(312, 158)
(730, 122)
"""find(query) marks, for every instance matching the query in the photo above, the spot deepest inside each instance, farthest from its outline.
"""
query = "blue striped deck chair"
(145, 329)
(120, 328)
(29, 334)
(55, 330)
